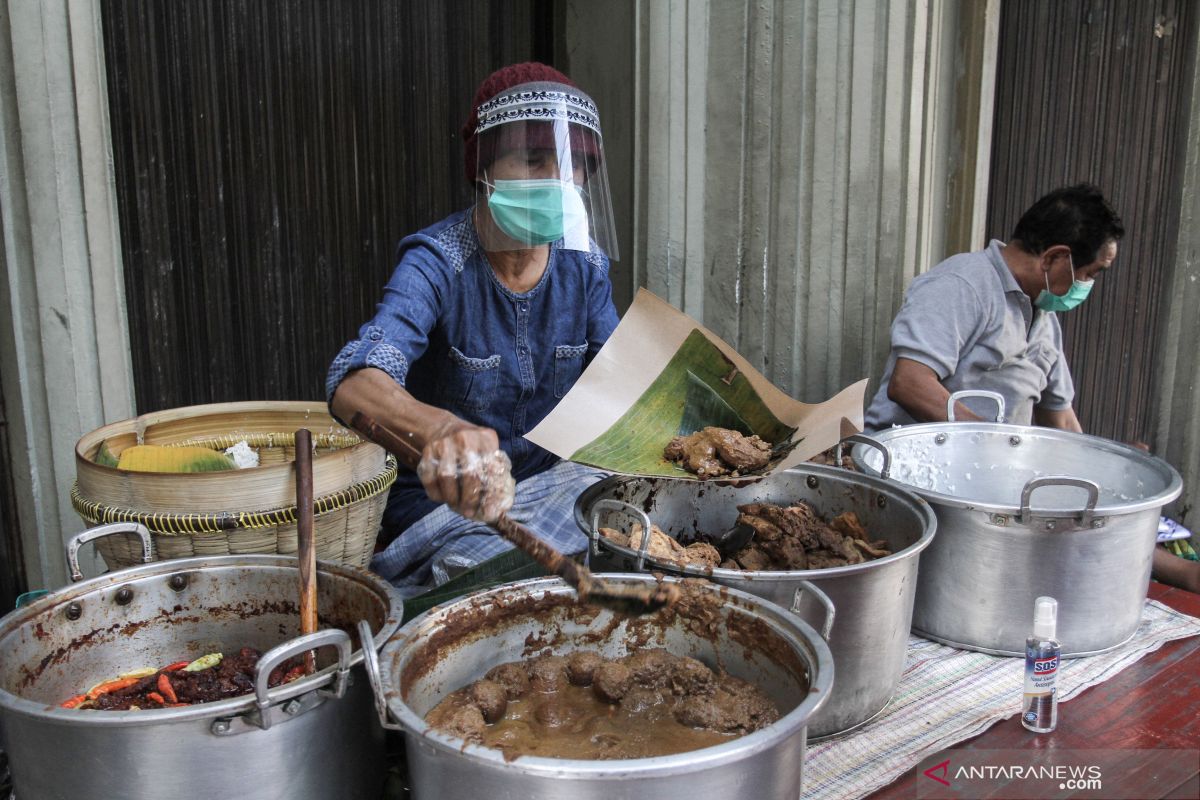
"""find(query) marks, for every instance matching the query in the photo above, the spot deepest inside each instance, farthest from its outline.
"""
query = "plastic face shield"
(541, 172)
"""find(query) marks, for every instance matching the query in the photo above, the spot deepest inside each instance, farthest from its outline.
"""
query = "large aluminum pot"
(873, 600)
(447, 648)
(314, 738)
(1024, 512)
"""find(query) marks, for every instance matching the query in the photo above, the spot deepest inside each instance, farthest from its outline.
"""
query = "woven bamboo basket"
(236, 511)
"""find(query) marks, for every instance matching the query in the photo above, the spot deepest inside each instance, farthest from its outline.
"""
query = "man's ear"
(1052, 255)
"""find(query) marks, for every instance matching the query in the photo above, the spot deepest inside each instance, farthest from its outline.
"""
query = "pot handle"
(984, 394)
(99, 532)
(859, 438)
(331, 637)
(1085, 516)
(618, 505)
(822, 598)
(371, 665)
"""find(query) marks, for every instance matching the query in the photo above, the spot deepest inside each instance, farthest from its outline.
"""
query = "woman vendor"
(489, 318)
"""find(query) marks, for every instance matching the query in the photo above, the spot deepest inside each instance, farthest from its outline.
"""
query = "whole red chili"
(165, 687)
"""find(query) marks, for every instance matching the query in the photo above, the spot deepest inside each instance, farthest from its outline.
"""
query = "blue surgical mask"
(1048, 301)
(538, 210)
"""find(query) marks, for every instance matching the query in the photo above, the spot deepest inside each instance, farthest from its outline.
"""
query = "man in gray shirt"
(986, 320)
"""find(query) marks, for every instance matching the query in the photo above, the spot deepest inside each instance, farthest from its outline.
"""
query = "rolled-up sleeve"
(941, 316)
(1060, 387)
(398, 334)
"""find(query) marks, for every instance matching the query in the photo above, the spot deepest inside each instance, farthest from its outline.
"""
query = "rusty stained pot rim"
(234, 706)
(819, 666)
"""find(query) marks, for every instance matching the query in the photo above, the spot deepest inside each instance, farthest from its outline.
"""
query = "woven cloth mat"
(947, 695)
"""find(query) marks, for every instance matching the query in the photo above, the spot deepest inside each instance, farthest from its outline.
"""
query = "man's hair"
(1077, 216)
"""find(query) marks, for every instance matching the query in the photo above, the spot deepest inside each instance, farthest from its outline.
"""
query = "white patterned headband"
(539, 101)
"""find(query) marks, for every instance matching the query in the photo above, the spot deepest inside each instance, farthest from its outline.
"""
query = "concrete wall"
(1178, 387)
(797, 162)
(64, 344)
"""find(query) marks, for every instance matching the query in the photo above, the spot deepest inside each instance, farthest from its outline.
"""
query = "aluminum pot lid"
(995, 467)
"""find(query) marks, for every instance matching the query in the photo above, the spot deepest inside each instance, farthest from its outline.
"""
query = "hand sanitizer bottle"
(1039, 710)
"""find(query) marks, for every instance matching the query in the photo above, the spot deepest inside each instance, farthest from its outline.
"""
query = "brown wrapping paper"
(662, 373)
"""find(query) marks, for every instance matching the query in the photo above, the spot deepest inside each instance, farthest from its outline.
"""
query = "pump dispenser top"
(1045, 617)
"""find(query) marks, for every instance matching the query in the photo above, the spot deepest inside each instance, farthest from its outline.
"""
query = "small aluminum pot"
(450, 647)
(1023, 512)
(311, 739)
(874, 600)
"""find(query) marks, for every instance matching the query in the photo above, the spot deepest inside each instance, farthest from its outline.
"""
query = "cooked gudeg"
(584, 706)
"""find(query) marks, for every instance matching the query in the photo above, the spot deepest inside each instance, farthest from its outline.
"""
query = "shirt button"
(375, 335)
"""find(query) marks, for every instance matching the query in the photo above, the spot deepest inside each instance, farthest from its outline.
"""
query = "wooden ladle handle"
(306, 550)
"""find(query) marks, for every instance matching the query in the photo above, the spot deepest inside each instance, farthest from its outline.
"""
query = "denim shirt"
(455, 337)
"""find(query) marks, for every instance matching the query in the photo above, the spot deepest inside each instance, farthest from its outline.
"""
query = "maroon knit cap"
(499, 81)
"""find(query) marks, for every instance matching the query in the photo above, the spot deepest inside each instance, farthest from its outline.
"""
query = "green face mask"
(536, 211)
(1048, 301)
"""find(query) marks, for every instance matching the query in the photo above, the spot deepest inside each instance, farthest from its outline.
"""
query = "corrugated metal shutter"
(1099, 91)
(269, 156)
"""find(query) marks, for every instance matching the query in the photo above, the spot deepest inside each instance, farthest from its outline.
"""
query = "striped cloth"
(948, 695)
(443, 544)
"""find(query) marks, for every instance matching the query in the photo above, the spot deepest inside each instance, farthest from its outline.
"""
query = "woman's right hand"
(463, 466)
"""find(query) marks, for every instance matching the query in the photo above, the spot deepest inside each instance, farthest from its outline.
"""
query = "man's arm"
(916, 388)
(1063, 420)
(1172, 570)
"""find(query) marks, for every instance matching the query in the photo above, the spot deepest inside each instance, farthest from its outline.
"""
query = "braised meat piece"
(847, 524)
(823, 559)
(753, 559)
(872, 550)
(580, 666)
(489, 697)
(691, 677)
(713, 452)
(464, 721)
(663, 548)
(547, 673)
(513, 677)
(611, 680)
(795, 538)
(798, 522)
(743, 454)
(701, 553)
(734, 707)
(650, 667)
(640, 699)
